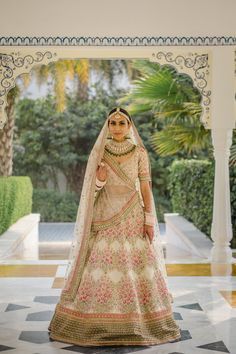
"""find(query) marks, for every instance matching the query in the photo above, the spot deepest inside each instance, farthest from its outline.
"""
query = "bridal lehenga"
(115, 290)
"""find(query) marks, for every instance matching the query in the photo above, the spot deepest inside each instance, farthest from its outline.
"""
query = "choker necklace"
(119, 148)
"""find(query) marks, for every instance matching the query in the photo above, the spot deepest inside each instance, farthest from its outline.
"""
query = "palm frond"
(156, 88)
(145, 67)
(174, 138)
(175, 112)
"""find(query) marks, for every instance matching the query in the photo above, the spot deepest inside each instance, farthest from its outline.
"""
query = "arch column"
(223, 122)
(221, 230)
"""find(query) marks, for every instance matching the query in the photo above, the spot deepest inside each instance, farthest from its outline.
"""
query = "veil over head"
(82, 229)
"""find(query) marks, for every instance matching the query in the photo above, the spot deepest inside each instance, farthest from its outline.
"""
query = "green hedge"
(191, 185)
(162, 203)
(15, 199)
(54, 206)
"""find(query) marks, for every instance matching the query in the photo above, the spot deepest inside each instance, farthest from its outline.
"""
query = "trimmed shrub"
(15, 199)
(162, 203)
(191, 184)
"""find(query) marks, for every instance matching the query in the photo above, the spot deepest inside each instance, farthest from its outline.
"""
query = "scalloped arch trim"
(117, 41)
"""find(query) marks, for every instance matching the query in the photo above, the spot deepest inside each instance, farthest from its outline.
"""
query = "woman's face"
(118, 127)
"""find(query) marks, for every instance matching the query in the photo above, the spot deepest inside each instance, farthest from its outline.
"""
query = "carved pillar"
(223, 121)
(221, 231)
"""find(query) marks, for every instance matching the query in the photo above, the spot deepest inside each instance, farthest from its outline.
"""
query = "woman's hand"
(101, 172)
(149, 230)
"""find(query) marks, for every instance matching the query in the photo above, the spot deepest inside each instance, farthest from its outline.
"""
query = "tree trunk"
(6, 138)
(82, 91)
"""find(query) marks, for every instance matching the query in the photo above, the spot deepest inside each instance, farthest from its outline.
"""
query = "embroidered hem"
(99, 330)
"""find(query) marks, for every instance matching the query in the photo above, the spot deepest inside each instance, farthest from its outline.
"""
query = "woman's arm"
(101, 176)
(147, 200)
(146, 194)
(145, 178)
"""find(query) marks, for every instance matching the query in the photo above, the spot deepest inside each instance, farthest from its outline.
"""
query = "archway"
(195, 63)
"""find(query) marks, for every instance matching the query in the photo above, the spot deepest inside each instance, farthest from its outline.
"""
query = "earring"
(127, 136)
(109, 136)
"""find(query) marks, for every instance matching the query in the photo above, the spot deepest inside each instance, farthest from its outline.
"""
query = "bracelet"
(100, 184)
(149, 218)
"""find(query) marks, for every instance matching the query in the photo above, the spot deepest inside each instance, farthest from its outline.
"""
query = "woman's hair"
(123, 111)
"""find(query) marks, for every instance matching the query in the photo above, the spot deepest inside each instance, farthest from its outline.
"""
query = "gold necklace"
(119, 148)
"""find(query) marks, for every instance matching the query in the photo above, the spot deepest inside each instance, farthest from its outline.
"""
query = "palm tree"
(171, 99)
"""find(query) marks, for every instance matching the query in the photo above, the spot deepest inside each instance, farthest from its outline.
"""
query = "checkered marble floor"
(204, 307)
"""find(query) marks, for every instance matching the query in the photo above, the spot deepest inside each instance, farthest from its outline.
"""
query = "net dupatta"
(82, 229)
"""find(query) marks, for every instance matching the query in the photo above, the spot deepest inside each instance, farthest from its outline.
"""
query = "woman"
(115, 290)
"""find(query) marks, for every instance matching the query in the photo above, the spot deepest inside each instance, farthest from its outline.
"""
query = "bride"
(115, 290)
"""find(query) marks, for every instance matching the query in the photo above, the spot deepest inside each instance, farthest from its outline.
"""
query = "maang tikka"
(117, 114)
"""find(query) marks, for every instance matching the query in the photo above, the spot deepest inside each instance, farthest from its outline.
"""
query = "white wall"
(118, 18)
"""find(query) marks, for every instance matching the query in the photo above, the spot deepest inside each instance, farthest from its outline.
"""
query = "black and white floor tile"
(207, 321)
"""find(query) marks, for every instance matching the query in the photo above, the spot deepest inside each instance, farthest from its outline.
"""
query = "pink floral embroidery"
(103, 291)
(106, 257)
(144, 291)
(137, 258)
(127, 292)
(139, 221)
(94, 257)
(161, 284)
(151, 257)
(85, 290)
(123, 256)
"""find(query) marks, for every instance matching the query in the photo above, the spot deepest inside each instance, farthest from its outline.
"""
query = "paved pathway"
(56, 231)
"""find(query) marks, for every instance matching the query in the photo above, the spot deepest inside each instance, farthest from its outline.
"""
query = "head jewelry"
(119, 113)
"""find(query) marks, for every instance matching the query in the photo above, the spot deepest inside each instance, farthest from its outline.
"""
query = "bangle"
(149, 218)
(100, 184)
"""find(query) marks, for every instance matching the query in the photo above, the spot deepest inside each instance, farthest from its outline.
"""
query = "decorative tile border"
(118, 41)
